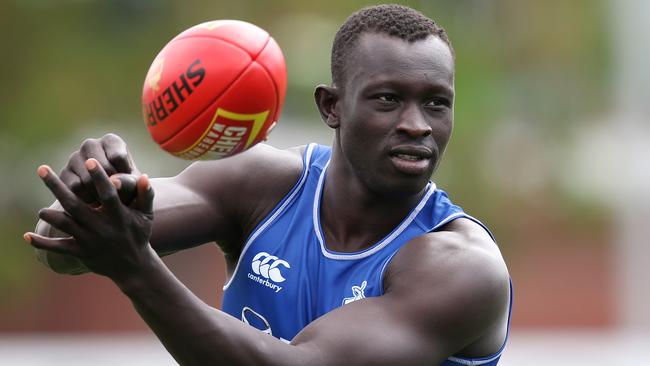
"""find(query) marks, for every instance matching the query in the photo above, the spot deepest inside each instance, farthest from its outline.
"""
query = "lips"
(411, 159)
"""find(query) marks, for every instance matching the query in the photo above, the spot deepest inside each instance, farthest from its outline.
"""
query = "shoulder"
(456, 279)
(247, 184)
(260, 167)
(260, 159)
(462, 251)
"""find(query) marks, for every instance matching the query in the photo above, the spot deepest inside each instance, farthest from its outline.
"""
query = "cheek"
(373, 124)
(361, 143)
(361, 128)
(355, 139)
(366, 139)
(442, 132)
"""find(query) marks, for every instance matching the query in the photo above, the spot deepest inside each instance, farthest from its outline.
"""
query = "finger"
(94, 148)
(59, 220)
(58, 245)
(76, 177)
(106, 191)
(144, 198)
(77, 187)
(71, 203)
(126, 187)
(117, 153)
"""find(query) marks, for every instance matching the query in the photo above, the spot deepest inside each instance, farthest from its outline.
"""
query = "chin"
(402, 188)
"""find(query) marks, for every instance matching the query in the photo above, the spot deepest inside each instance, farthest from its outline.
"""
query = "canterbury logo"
(268, 265)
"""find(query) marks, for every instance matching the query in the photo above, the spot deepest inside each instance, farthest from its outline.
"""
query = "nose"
(413, 122)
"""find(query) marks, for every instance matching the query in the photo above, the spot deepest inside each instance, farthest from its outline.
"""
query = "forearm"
(197, 334)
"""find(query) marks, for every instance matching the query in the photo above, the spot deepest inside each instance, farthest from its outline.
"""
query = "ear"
(326, 98)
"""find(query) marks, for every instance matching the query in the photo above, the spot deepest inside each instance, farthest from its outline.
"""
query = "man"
(345, 255)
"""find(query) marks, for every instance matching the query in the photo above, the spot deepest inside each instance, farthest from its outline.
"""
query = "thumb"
(126, 187)
(144, 197)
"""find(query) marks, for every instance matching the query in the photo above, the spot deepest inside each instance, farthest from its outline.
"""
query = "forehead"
(378, 56)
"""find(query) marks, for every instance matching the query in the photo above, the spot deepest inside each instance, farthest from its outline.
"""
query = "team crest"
(357, 293)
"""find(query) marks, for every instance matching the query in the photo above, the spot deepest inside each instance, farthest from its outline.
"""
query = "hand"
(113, 156)
(112, 239)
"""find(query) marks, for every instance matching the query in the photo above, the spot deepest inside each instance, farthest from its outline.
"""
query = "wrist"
(141, 276)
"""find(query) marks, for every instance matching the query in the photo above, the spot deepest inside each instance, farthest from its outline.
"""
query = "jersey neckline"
(431, 187)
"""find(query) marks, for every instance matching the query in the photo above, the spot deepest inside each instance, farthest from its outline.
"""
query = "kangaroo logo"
(357, 293)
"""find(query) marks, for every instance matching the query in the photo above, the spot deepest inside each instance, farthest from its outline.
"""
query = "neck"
(353, 217)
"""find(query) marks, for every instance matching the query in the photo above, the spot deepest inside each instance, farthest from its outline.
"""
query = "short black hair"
(394, 20)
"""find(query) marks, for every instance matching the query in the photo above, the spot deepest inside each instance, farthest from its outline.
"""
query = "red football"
(214, 90)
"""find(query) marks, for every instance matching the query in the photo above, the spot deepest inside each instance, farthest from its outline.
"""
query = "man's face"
(396, 111)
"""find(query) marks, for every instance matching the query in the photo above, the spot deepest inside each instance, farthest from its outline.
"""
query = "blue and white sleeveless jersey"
(286, 278)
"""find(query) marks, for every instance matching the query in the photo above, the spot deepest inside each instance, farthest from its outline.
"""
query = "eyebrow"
(434, 87)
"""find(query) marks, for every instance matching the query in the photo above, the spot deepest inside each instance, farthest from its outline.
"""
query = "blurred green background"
(539, 87)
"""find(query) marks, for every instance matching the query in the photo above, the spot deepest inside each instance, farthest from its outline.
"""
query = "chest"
(285, 278)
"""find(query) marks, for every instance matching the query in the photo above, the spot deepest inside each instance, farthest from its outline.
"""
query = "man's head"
(391, 104)
(395, 20)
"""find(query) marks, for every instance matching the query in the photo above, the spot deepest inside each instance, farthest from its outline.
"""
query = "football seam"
(275, 86)
(252, 61)
(253, 56)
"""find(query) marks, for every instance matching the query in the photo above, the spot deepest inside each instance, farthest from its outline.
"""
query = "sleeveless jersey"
(286, 278)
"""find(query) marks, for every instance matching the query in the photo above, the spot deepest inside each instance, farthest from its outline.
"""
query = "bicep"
(374, 331)
(439, 298)
(183, 217)
(221, 200)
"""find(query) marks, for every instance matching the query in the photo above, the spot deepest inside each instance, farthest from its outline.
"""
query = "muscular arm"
(221, 200)
(445, 292)
(442, 294)
(209, 201)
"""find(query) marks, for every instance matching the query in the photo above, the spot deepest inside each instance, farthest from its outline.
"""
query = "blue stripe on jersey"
(286, 277)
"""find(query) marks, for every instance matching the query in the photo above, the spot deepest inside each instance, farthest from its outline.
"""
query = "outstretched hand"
(112, 239)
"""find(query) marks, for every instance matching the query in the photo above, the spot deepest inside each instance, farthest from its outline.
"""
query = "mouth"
(411, 159)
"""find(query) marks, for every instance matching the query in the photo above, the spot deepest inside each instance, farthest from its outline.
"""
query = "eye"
(387, 98)
(438, 102)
